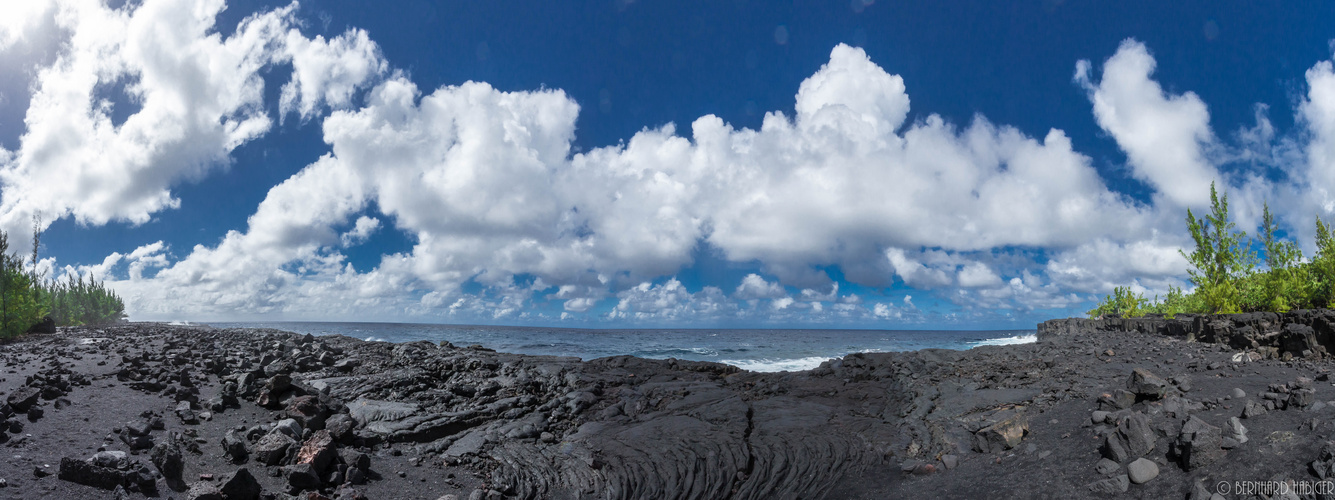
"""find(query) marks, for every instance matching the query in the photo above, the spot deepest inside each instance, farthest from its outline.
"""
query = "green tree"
(1220, 258)
(19, 306)
(1323, 266)
(1285, 285)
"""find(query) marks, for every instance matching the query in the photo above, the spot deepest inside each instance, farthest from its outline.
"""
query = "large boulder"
(318, 451)
(272, 448)
(1146, 385)
(1133, 438)
(241, 485)
(1324, 465)
(301, 477)
(1142, 470)
(107, 470)
(166, 456)
(1299, 340)
(23, 398)
(47, 325)
(1199, 444)
(234, 446)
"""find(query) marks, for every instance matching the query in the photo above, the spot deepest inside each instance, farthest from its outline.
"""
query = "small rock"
(1236, 430)
(1324, 465)
(203, 491)
(356, 476)
(1301, 398)
(1238, 393)
(1253, 409)
(950, 461)
(1099, 417)
(1107, 467)
(1113, 449)
(1142, 470)
(1302, 383)
(1111, 486)
(138, 428)
(301, 477)
(340, 426)
(290, 427)
(1002, 435)
(1117, 400)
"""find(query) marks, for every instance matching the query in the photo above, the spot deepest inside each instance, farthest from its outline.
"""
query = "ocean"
(755, 350)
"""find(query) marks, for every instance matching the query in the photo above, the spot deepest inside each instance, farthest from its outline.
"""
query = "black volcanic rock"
(424, 419)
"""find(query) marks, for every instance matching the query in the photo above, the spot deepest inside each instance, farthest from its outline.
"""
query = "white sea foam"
(777, 365)
(1018, 339)
(180, 323)
(375, 339)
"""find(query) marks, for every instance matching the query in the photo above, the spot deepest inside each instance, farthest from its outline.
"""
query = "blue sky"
(865, 164)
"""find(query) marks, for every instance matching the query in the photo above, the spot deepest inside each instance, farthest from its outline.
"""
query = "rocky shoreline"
(1162, 408)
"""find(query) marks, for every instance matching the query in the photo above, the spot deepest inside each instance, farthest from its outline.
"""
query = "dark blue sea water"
(756, 350)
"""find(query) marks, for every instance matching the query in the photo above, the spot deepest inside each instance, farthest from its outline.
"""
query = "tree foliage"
(26, 296)
(1225, 274)
(20, 295)
(1220, 258)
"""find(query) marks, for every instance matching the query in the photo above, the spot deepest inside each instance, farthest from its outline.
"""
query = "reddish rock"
(318, 451)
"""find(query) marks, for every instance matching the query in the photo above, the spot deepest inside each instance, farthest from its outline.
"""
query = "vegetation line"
(27, 298)
(1224, 270)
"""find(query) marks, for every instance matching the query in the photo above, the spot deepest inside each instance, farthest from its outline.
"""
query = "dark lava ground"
(336, 417)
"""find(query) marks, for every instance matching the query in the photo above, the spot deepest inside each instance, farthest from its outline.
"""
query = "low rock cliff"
(1295, 334)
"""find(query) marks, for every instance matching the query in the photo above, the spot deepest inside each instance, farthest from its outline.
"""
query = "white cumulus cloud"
(489, 188)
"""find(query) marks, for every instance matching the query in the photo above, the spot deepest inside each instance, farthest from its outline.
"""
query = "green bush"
(79, 302)
(1176, 302)
(1123, 303)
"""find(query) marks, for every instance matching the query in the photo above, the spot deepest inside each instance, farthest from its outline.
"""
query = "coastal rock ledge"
(1146, 408)
(1299, 333)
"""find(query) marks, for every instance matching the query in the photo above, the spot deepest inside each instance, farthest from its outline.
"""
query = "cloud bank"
(505, 215)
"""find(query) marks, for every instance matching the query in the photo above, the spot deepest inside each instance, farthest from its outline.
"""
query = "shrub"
(79, 302)
(1122, 303)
